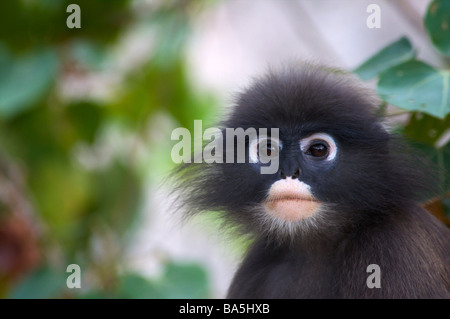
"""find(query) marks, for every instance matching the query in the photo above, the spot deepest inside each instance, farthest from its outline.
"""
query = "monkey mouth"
(290, 200)
(291, 209)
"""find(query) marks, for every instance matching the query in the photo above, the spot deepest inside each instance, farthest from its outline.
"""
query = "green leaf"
(416, 86)
(393, 54)
(437, 23)
(25, 80)
(178, 281)
(135, 286)
(185, 281)
(425, 128)
(43, 283)
(440, 157)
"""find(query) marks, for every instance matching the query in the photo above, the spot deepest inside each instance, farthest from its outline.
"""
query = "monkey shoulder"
(410, 248)
(410, 251)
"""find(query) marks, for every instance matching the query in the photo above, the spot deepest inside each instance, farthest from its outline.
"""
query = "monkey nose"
(295, 174)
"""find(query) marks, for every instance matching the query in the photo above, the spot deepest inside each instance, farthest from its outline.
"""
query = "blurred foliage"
(423, 91)
(57, 208)
(29, 24)
(437, 25)
(179, 280)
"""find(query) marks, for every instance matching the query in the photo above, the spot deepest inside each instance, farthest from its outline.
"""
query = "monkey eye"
(319, 146)
(267, 148)
(318, 149)
(263, 149)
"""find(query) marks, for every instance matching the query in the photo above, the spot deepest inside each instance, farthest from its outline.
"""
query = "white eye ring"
(253, 150)
(306, 142)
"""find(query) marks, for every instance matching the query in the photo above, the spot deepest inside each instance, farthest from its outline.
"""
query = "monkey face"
(290, 198)
(304, 191)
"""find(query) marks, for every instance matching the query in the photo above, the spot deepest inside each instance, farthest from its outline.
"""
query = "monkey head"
(338, 167)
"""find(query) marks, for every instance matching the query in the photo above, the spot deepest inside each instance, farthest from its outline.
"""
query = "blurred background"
(86, 116)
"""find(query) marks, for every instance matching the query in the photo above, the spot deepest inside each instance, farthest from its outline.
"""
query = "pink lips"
(291, 200)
